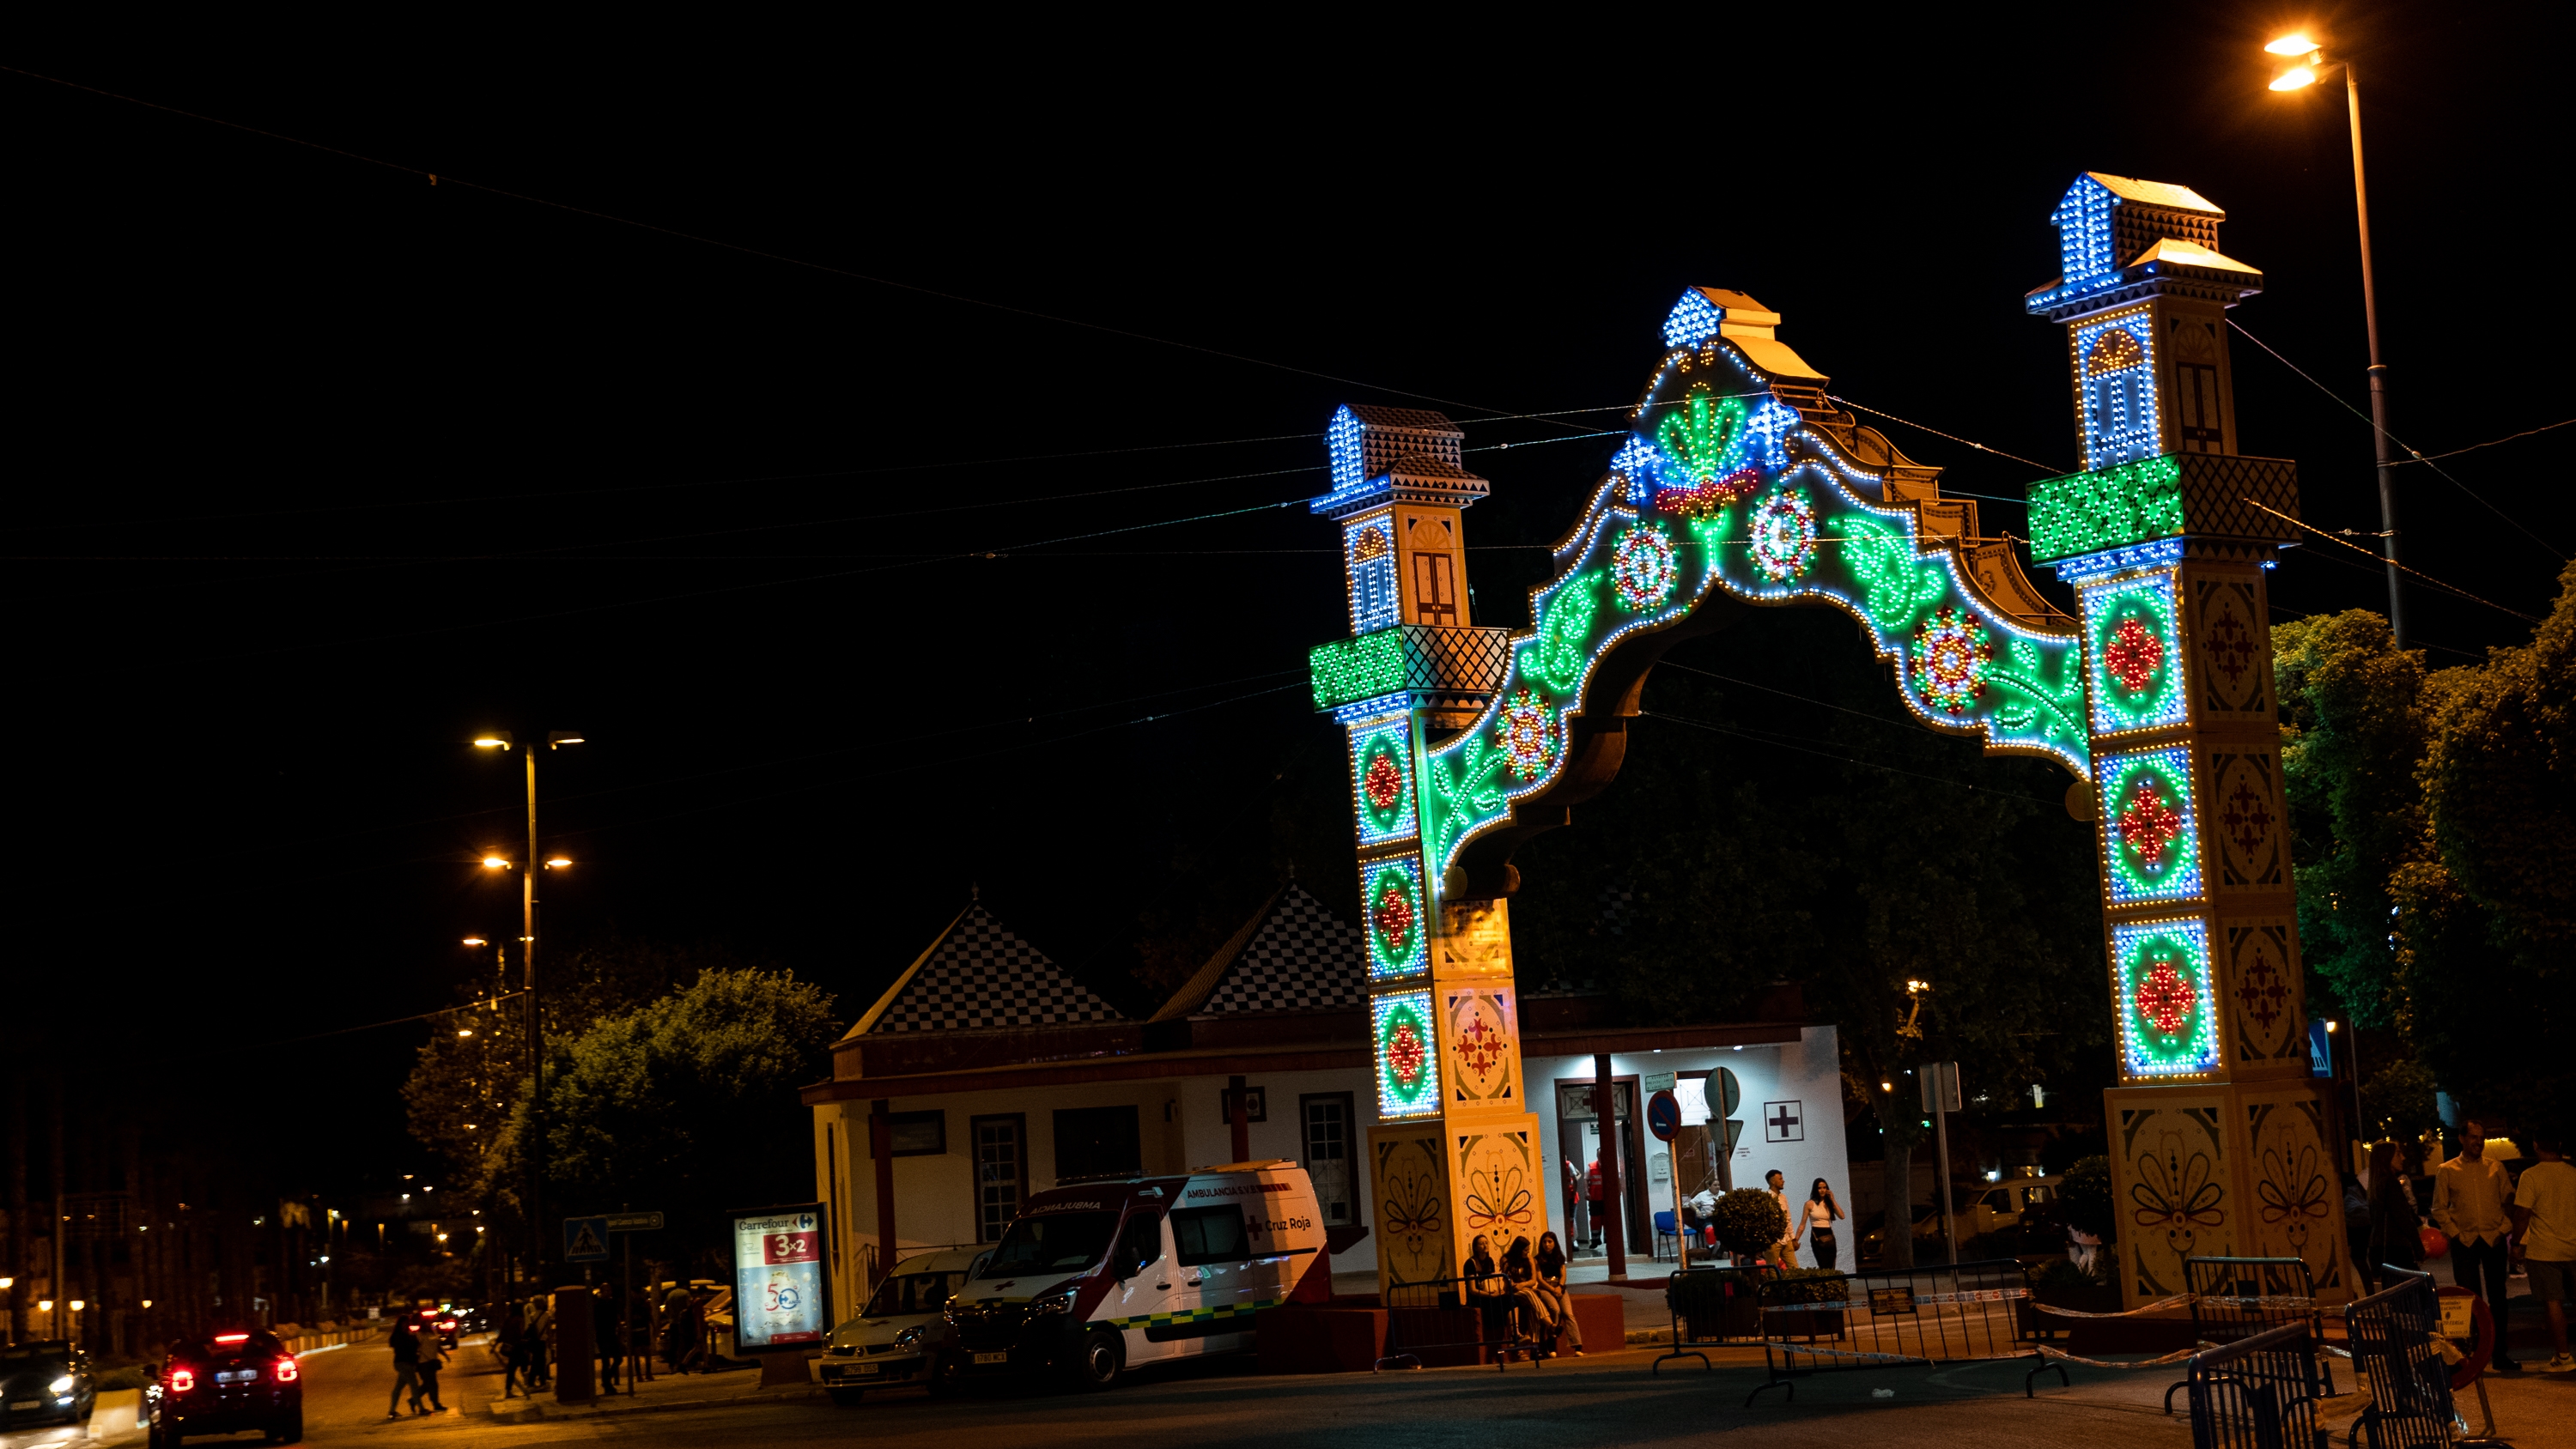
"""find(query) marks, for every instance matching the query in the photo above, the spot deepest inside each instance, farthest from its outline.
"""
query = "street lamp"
(2303, 62)
(555, 740)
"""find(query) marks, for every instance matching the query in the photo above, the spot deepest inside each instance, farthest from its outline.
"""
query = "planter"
(1776, 1324)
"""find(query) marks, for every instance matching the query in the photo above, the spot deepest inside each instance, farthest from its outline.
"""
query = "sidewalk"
(666, 1393)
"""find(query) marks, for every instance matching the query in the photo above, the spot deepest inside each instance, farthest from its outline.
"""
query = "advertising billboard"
(781, 1299)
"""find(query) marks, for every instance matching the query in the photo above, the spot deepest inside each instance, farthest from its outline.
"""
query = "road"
(1606, 1400)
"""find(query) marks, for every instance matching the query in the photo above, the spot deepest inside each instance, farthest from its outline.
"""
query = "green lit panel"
(1348, 670)
(2108, 508)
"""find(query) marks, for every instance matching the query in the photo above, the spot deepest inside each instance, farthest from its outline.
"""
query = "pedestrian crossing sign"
(586, 1240)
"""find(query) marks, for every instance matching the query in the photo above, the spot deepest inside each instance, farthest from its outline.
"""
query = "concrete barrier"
(116, 1417)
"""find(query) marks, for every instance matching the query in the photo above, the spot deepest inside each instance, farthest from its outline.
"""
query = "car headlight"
(61, 1385)
(910, 1336)
(1061, 1302)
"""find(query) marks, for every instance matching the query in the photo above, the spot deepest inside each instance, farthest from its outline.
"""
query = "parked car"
(230, 1381)
(1096, 1277)
(881, 1348)
(2000, 1206)
(45, 1381)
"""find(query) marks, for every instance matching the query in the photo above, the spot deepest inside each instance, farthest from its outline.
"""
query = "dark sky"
(318, 468)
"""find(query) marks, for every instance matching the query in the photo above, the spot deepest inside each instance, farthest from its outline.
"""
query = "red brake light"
(182, 1380)
(286, 1370)
(232, 1338)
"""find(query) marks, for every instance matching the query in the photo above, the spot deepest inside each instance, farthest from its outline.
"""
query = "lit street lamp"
(536, 1142)
(2303, 63)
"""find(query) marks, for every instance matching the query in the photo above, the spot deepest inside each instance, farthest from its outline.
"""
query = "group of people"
(2488, 1220)
(1809, 1220)
(527, 1343)
(1525, 1291)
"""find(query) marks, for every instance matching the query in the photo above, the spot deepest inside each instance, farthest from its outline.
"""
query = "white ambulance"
(1098, 1277)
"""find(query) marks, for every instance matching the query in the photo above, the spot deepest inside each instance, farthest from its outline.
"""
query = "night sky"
(742, 436)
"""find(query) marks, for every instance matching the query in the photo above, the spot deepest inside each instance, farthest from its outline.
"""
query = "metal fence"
(2239, 1298)
(2395, 1334)
(1815, 1322)
(2258, 1392)
(1444, 1320)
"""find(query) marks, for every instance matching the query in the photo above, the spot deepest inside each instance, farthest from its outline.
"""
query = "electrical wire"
(484, 1004)
(1953, 437)
(2392, 563)
(2474, 496)
(1894, 724)
(2493, 442)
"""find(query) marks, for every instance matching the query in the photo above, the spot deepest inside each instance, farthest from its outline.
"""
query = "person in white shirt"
(1817, 1214)
(2473, 1202)
(1784, 1253)
(2544, 1215)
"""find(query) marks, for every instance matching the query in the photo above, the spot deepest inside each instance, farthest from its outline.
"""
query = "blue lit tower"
(1454, 1150)
(2221, 1143)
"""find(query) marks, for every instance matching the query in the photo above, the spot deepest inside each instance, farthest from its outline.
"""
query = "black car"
(231, 1381)
(46, 1381)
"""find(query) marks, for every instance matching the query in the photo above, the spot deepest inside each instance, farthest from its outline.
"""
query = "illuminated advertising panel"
(781, 1298)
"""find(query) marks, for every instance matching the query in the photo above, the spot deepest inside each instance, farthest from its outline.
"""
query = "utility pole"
(536, 1035)
(1941, 1098)
(2378, 374)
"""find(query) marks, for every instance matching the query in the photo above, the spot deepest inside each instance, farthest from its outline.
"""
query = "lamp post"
(2304, 62)
(536, 1145)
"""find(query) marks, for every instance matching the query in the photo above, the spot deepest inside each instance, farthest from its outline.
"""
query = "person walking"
(1783, 1254)
(608, 1323)
(1820, 1209)
(1556, 1295)
(2472, 1202)
(406, 1348)
(2544, 1218)
(540, 1341)
(679, 1338)
(1593, 1201)
(433, 1356)
(511, 1342)
(2396, 1234)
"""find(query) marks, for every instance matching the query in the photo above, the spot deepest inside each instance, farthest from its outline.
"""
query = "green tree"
(687, 1103)
(2352, 734)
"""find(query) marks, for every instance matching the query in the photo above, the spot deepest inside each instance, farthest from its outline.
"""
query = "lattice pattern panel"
(1302, 959)
(984, 978)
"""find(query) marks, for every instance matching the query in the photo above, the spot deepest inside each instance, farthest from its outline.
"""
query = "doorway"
(1578, 1126)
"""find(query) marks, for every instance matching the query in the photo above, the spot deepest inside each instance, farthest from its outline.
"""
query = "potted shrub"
(1807, 1285)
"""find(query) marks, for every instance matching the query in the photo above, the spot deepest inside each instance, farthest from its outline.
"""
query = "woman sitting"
(1483, 1288)
(1556, 1307)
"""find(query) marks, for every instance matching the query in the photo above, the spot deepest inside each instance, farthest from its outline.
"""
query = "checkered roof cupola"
(983, 978)
(1302, 959)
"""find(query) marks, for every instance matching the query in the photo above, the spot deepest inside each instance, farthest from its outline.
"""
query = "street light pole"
(2303, 72)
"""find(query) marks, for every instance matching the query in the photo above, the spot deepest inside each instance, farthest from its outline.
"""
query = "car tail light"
(182, 1380)
(286, 1370)
(232, 1338)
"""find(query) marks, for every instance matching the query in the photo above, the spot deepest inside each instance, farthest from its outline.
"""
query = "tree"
(687, 1103)
(2352, 734)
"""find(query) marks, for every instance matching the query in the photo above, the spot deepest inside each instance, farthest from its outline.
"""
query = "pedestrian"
(679, 1342)
(2472, 1202)
(2544, 1219)
(1593, 1200)
(1820, 1210)
(2396, 1234)
(1783, 1254)
(1574, 1200)
(2356, 1222)
(512, 1343)
(1482, 1279)
(1552, 1289)
(406, 1346)
(433, 1356)
(608, 1319)
(540, 1340)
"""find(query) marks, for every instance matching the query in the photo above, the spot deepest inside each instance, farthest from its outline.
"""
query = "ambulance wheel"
(1101, 1359)
(847, 1398)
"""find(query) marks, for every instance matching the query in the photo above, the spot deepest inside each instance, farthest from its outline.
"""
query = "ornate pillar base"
(2239, 1170)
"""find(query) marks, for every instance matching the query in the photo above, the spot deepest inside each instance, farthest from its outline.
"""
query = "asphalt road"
(1609, 1399)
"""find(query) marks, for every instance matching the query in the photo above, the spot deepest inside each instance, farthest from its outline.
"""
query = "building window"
(1328, 1119)
(915, 1134)
(1001, 1173)
(1096, 1142)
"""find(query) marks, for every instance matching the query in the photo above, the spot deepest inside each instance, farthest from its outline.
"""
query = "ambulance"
(1099, 1277)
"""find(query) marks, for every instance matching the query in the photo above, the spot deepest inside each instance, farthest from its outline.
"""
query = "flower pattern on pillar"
(2150, 832)
(2168, 1006)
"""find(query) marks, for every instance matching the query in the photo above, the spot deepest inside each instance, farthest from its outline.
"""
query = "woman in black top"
(1555, 1306)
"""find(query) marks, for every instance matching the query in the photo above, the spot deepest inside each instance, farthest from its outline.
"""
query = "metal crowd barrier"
(1931, 1315)
(1442, 1314)
(2396, 1336)
(2258, 1392)
(2238, 1298)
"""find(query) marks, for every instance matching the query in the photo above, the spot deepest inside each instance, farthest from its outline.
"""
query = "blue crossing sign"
(586, 1240)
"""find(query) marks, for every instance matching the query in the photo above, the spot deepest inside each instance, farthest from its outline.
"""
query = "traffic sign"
(586, 1240)
(633, 1222)
(1663, 1115)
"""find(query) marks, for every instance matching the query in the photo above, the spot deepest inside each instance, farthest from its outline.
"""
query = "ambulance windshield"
(1053, 1243)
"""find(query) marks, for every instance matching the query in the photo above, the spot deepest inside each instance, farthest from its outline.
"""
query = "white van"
(1095, 1278)
(881, 1348)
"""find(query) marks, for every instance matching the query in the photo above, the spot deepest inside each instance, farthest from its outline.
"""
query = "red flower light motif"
(1393, 918)
(1383, 783)
(2149, 823)
(1705, 498)
(2133, 655)
(1405, 1055)
(2164, 999)
(1480, 1047)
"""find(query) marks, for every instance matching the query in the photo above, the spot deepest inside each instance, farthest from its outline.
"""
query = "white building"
(988, 1073)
